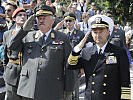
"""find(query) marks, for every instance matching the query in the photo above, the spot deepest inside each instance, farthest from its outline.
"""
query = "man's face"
(85, 18)
(100, 35)
(70, 23)
(33, 4)
(48, 2)
(93, 7)
(8, 11)
(20, 18)
(45, 22)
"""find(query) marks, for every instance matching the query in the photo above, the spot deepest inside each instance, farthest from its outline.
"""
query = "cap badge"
(98, 19)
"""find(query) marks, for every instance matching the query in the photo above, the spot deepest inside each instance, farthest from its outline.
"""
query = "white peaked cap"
(105, 19)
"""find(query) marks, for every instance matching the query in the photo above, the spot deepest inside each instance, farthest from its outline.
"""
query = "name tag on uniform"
(111, 60)
(58, 42)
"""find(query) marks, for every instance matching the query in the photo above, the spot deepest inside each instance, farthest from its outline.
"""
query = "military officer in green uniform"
(12, 58)
(106, 66)
(45, 52)
(75, 37)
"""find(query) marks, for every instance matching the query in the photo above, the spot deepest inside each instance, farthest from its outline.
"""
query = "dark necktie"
(43, 39)
(82, 7)
(68, 34)
(87, 26)
(100, 52)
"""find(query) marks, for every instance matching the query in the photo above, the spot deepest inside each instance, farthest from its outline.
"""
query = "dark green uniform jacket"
(43, 75)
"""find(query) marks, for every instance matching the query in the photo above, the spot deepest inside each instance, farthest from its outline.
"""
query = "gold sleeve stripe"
(72, 60)
(125, 93)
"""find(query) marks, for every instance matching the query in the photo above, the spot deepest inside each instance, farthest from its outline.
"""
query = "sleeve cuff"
(72, 60)
(125, 93)
(77, 49)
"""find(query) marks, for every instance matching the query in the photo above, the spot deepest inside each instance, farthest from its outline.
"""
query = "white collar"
(70, 31)
(103, 48)
(47, 33)
(17, 28)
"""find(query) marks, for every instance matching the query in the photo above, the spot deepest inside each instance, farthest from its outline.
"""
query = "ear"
(14, 19)
(53, 19)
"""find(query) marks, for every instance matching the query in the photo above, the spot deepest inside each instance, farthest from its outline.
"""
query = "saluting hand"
(29, 23)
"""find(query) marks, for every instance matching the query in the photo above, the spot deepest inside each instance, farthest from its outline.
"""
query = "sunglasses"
(8, 10)
(68, 20)
(85, 17)
(74, 4)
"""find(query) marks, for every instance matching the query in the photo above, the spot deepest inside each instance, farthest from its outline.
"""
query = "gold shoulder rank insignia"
(75, 32)
(37, 34)
(52, 35)
(126, 93)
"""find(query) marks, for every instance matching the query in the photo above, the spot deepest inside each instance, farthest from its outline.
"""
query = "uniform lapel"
(50, 39)
(101, 61)
(74, 32)
(38, 38)
(65, 31)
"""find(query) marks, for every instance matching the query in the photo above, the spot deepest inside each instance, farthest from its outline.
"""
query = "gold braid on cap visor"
(69, 17)
(43, 12)
(99, 25)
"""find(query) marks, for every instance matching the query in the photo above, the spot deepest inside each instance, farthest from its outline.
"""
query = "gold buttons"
(93, 74)
(42, 50)
(41, 56)
(30, 46)
(93, 83)
(40, 63)
(92, 91)
(104, 84)
(39, 70)
(104, 93)
(58, 78)
(105, 75)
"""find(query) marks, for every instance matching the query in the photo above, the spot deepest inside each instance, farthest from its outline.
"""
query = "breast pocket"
(56, 51)
(29, 48)
(25, 73)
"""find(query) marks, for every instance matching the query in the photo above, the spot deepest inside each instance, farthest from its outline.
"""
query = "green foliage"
(122, 10)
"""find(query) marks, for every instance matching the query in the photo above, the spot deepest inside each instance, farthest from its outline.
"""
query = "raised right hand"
(29, 23)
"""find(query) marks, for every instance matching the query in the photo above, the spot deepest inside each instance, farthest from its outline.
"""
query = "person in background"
(60, 10)
(106, 66)
(10, 7)
(45, 54)
(49, 3)
(92, 10)
(24, 4)
(3, 26)
(129, 42)
(75, 37)
(30, 11)
(73, 8)
(127, 27)
(117, 37)
(33, 4)
(84, 25)
(12, 58)
(82, 5)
